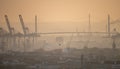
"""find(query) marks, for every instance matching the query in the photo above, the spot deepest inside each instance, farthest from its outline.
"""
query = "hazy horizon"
(55, 15)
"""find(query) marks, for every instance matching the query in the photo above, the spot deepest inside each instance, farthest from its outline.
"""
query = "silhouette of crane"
(25, 29)
(11, 29)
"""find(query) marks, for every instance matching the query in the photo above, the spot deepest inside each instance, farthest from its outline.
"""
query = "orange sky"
(60, 15)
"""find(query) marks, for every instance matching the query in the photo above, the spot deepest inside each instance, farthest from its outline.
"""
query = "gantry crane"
(25, 29)
(11, 32)
(11, 29)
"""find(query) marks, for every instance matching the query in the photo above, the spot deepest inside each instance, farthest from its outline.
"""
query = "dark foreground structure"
(90, 58)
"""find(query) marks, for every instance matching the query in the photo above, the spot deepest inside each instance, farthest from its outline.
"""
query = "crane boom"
(23, 25)
(8, 24)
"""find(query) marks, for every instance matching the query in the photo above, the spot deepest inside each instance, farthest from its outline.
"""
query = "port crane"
(10, 29)
(25, 29)
(11, 41)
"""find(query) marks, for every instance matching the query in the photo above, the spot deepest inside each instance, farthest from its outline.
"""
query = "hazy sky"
(60, 15)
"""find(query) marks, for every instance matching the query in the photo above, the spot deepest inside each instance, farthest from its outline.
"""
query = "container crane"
(11, 30)
(11, 41)
(25, 29)
(26, 33)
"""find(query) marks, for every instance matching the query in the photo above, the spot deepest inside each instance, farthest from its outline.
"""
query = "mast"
(108, 25)
(89, 28)
(36, 24)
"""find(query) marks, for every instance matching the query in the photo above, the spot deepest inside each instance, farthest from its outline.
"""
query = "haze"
(59, 15)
